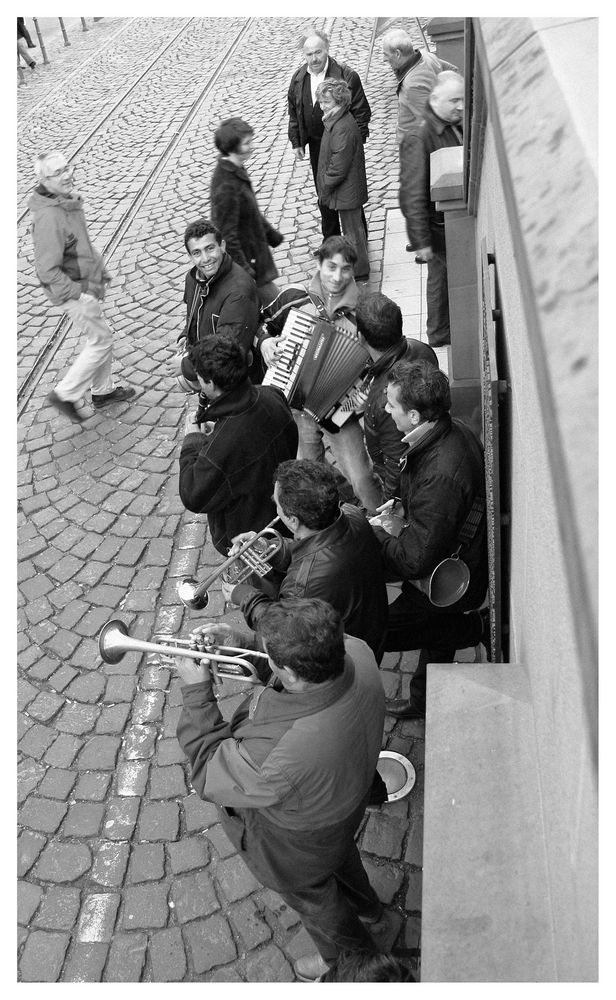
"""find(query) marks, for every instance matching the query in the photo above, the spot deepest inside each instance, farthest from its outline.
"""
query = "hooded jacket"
(247, 233)
(442, 475)
(360, 109)
(228, 474)
(313, 300)
(304, 760)
(342, 564)
(65, 261)
(341, 174)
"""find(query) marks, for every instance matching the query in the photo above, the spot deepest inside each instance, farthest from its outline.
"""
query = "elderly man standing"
(74, 276)
(441, 126)
(305, 115)
(416, 73)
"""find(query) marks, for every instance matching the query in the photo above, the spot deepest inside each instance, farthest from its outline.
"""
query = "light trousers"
(92, 368)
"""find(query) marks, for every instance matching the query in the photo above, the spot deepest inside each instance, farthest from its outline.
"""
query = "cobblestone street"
(125, 874)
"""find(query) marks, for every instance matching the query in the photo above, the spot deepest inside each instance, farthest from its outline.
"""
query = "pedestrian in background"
(305, 114)
(341, 174)
(74, 276)
(247, 233)
(24, 42)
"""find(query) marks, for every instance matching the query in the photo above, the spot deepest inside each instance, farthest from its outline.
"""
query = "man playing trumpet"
(291, 803)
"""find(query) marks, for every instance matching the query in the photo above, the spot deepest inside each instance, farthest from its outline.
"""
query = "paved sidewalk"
(125, 875)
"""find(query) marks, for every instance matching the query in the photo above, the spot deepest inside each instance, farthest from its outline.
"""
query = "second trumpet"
(252, 557)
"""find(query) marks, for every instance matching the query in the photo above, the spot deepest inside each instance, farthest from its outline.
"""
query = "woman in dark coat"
(234, 210)
(341, 174)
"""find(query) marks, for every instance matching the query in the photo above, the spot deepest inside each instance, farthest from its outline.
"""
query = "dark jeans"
(437, 299)
(317, 872)
(414, 623)
(330, 223)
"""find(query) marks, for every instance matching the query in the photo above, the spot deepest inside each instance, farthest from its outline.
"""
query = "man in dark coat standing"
(441, 127)
(305, 114)
(442, 490)
(227, 463)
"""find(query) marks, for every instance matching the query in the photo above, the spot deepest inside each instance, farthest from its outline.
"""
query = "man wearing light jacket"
(74, 276)
(293, 770)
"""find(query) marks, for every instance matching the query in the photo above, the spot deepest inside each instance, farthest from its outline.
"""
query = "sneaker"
(118, 395)
(66, 407)
(310, 968)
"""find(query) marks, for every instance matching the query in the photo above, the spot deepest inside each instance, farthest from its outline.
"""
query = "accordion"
(319, 368)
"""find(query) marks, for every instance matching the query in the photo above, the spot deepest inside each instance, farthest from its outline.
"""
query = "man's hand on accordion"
(269, 350)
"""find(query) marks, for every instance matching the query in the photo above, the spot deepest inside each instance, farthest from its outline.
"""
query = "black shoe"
(32, 65)
(66, 407)
(486, 635)
(118, 395)
(402, 708)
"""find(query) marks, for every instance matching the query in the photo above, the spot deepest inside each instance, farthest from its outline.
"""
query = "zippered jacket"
(65, 261)
(227, 304)
(305, 760)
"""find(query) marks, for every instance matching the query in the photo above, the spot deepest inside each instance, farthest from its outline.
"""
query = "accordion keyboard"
(294, 342)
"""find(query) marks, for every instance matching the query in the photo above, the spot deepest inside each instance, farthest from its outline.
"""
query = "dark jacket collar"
(437, 123)
(322, 538)
(438, 430)
(232, 168)
(233, 402)
(283, 705)
(403, 70)
(330, 120)
(391, 355)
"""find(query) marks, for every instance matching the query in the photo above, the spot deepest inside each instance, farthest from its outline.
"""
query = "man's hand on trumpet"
(239, 540)
(190, 671)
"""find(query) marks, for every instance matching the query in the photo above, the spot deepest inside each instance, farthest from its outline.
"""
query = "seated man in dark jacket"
(227, 471)
(379, 323)
(442, 487)
(220, 297)
(333, 555)
(291, 803)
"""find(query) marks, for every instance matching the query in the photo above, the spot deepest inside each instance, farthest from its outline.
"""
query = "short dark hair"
(305, 634)
(379, 320)
(421, 387)
(220, 359)
(337, 244)
(367, 967)
(308, 490)
(201, 227)
(230, 134)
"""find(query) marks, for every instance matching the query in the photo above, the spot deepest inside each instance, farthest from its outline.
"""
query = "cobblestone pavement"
(125, 874)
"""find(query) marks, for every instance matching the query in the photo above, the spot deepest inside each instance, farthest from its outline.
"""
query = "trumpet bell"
(112, 641)
(191, 595)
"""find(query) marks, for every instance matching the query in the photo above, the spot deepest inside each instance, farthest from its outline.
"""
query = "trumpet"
(228, 662)
(251, 558)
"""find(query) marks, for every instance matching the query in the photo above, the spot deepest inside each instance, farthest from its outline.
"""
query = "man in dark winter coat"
(293, 771)
(220, 298)
(247, 233)
(333, 555)
(442, 487)
(379, 323)
(226, 472)
(305, 114)
(441, 127)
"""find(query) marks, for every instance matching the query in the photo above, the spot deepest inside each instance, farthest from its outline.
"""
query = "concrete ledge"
(486, 903)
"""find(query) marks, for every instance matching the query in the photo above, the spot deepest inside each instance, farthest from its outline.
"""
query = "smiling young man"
(331, 295)
(73, 276)
(220, 297)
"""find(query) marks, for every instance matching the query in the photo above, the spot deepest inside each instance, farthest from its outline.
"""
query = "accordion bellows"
(319, 367)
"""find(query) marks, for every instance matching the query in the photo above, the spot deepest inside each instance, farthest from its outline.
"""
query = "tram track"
(41, 360)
